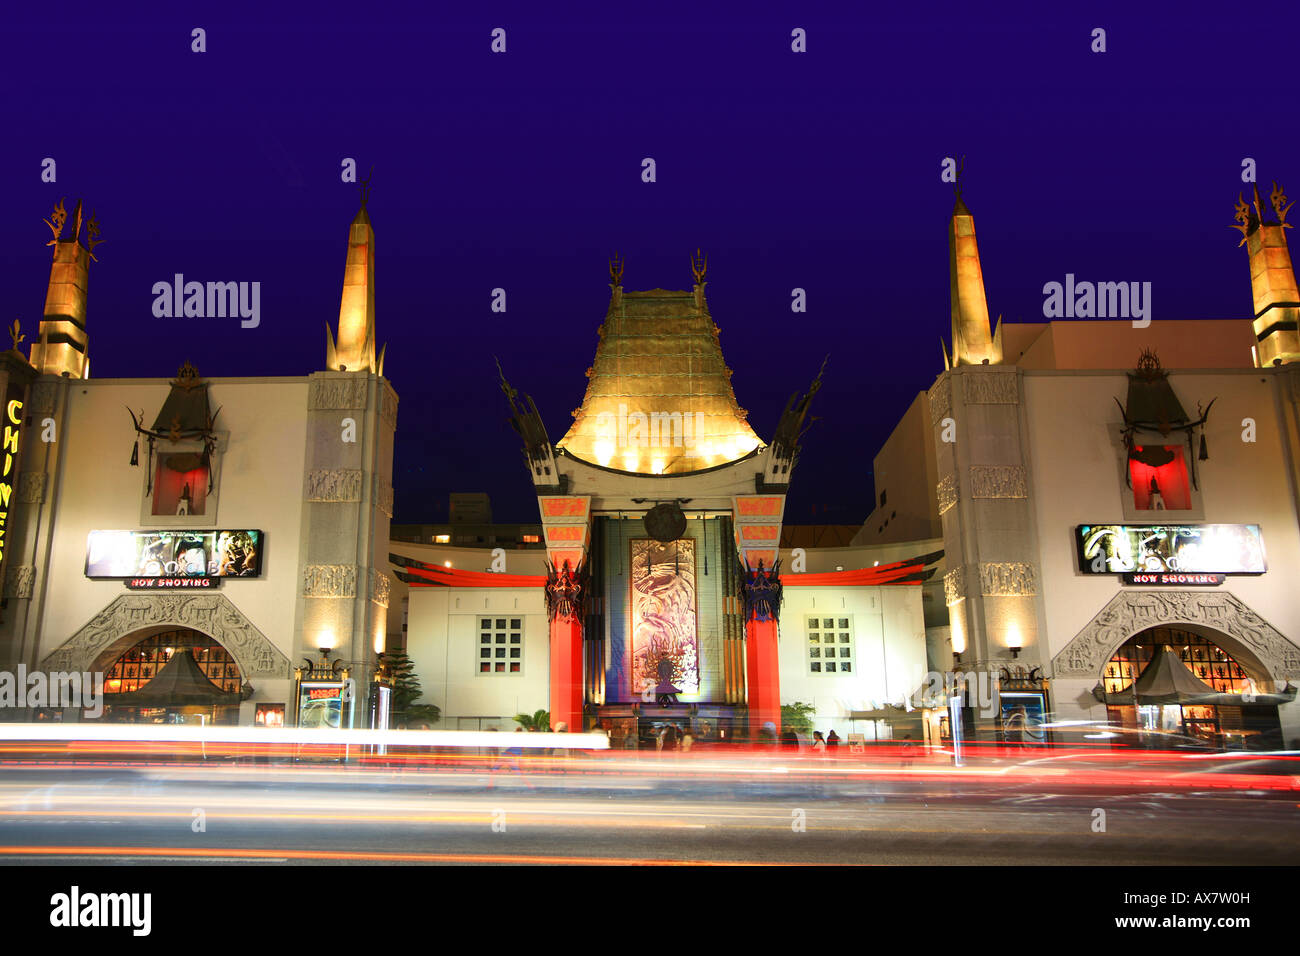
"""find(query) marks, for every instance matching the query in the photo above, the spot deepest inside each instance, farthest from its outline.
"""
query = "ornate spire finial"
(1246, 220)
(699, 266)
(56, 221)
(92, 236)
(76, 223)
(365, 187)
(1148, 366)
(1280, 205)
(616, 270)
(15, 333)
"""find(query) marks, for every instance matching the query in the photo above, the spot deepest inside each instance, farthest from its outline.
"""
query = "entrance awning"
(180, 683)
(1167, 680)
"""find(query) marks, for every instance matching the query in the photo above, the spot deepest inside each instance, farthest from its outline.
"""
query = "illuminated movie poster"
(321, 704)
(1171, 548)
(663, 614)
(157, 554)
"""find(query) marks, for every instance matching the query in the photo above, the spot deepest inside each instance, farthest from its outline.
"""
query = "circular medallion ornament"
(665, 522)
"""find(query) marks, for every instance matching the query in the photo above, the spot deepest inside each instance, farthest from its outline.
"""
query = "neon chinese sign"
(13, 419)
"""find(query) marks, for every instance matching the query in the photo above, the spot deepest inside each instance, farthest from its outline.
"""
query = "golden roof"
(659, 398)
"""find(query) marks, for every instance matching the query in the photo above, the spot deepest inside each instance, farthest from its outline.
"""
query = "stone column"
(343, 555)
(992, 586)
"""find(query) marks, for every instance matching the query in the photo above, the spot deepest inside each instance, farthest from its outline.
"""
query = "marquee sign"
(168, 555)
(9, 476)
(1171, 553)
(171, 583)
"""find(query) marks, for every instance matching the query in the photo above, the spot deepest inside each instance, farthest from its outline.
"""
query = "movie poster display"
(1170, 549)
(663, 614)
(324, 703)
(174, 554)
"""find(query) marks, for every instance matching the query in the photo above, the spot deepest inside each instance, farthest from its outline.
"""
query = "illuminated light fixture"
(325, 642)
(629, 461)
(446, 564)
(1015, 641)
(604, 452)
(657, 466)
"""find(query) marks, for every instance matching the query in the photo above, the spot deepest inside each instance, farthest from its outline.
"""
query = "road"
(204, 814)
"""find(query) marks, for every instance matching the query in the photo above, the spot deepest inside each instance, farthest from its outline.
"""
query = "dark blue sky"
(522, 171)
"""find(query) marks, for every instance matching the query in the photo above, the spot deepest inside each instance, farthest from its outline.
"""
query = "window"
(830, 645)
(531, 539)
(500, 645)
(1159, 478)
(1209, 662)
(141, 663)
(180, 484)
(442, 539)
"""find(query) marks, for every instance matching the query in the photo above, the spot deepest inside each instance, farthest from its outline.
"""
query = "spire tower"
(62, 346)
(971, 342)
(354, 349)
(1272, 276)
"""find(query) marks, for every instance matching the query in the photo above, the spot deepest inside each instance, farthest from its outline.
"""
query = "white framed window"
(830, 644)
(499, 645)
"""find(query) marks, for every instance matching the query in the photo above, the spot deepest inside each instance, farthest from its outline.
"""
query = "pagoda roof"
(180, 683)
(659, 397)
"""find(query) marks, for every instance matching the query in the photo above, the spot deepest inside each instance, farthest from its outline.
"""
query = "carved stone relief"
(339, 484)
(19, 579)
(31, 487)
(334, 393)
(388, 406)
(954, 585)
(379, 586)
(940, 401)
(947, 493)
(1007, 579)
(985, 387)
(381, 494)
(41, 397)
(330, 581)
(212, 614)
(998, 481)
(1132, 611)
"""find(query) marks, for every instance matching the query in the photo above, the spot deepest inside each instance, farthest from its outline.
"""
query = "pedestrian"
(819, 742)
(907, 750)
(832, 740)
(670, 737)
(659, 738)
(790, 741)
(688, 740)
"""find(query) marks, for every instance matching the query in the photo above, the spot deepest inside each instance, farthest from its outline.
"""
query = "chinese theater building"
(1109, 490)
(217, 548)
(662, 595)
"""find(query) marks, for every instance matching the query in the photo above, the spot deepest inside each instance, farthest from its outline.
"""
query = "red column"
(566, 673)
(763, 675)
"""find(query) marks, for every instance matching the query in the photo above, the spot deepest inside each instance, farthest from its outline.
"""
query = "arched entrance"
(171, 676)
(1207, 709)
(214, 615)
(1219, 615)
